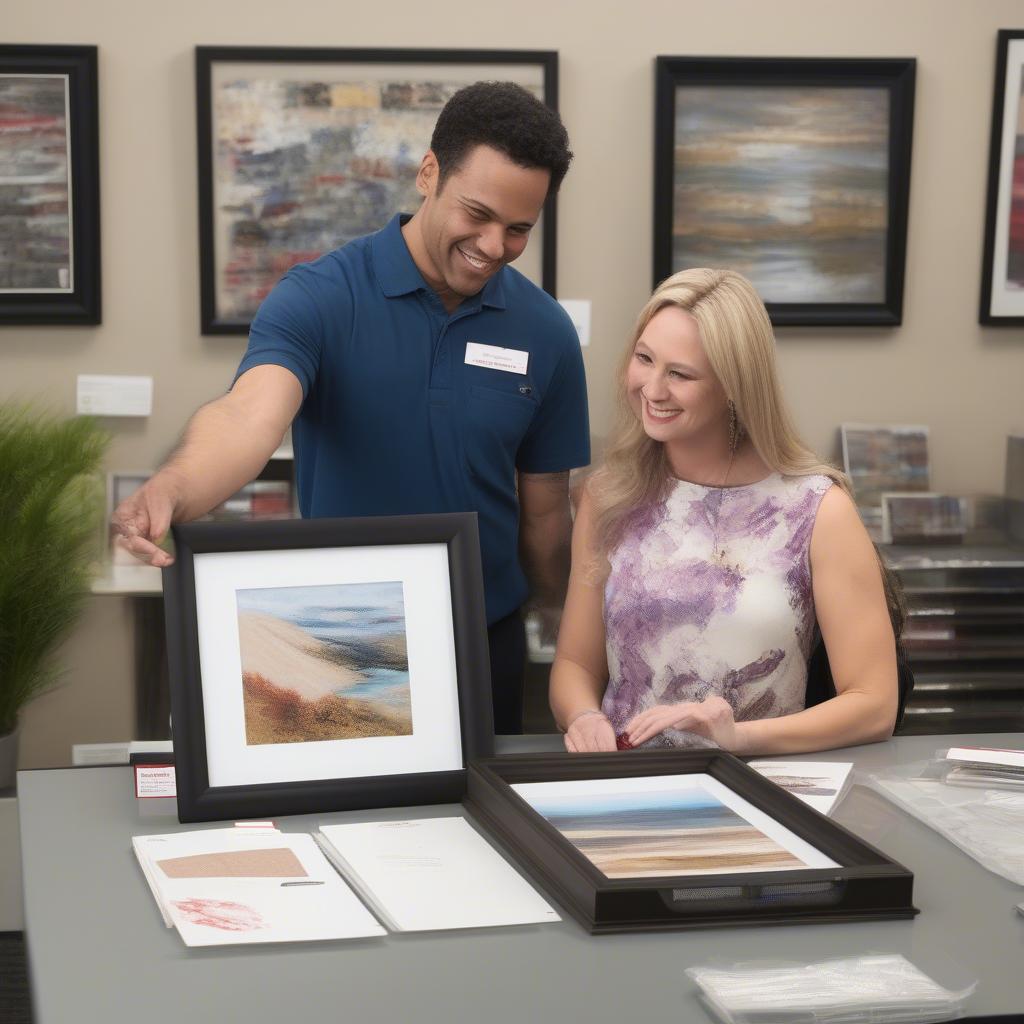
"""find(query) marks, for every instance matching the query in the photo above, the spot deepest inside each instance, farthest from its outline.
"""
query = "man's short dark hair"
(506, 117)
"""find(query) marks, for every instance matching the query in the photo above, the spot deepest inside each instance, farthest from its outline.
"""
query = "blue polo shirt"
(395, 421)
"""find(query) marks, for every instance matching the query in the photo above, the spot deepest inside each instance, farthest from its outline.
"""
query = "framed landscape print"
(325, 664)
(49, 185)
(303, 150)
(794, 172)
(1002, 272)
(656, 840)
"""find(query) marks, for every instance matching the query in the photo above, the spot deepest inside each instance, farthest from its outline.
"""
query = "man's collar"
(398, 274)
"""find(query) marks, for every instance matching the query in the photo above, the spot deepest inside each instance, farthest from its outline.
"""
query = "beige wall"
(939, 368)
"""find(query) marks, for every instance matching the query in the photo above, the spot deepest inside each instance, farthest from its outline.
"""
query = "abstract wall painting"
(794, 172)
(666, 826)
(49, 185)
(301, 151)
(1002, 274)
(325, 664)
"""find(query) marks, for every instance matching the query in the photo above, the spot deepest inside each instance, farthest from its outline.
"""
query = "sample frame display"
(326, 664)
(646, 841)
(794, 172)
(1002, 272)
(303, 150)
(49, 185)
(884, 457)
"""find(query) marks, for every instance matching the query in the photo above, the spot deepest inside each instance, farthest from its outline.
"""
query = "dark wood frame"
(995, 159)
(867, 886)
(197, 799)
(207, 56)
(83, 305)
(896, 75)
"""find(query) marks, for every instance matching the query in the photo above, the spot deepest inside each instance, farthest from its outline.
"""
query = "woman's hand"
(711, 718)
(589, 731)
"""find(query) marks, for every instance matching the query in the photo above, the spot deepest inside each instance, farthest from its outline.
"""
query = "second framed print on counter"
(325, 664)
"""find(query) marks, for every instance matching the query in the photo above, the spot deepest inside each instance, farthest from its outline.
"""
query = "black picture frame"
(745, 231)
(215, 319)
(866, 886)
(472, 735)
(1003, 306)
(74, 296)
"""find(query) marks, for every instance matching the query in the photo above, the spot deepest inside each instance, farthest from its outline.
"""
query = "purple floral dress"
(710, 593)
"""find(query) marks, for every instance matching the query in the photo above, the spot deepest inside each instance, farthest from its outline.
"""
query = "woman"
(708, 546)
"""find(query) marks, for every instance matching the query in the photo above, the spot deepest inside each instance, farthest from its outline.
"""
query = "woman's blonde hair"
(738, 340)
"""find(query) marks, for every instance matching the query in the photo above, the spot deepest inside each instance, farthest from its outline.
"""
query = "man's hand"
(141, 521)
(589, 731)
(711, 718)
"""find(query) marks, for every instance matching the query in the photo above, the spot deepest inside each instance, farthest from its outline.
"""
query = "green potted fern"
(50, 514)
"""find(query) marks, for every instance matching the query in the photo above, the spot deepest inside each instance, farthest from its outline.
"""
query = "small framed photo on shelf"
(793, 171)
(326, 664)
(49, 185)
(923, 518)
(1002, 272)
(886, 457)
(648, 841)
(302, 150)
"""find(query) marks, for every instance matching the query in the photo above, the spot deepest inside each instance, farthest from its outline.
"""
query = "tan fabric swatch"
(274, 863)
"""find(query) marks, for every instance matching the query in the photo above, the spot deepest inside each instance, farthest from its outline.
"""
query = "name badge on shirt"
(511, 360)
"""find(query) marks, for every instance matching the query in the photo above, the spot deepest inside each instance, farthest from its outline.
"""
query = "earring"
(735, 430)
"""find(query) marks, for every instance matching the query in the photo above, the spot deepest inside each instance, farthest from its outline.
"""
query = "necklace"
(719, 553)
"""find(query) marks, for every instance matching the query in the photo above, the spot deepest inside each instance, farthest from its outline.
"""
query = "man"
(422, 375)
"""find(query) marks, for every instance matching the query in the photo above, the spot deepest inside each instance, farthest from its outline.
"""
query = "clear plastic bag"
(987, 824)
(880, 988)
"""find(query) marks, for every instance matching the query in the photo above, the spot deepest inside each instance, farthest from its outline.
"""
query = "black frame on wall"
(212, 320)
(897, 76)
(82, 303)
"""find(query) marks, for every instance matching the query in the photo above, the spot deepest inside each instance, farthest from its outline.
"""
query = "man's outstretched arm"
(225, 445)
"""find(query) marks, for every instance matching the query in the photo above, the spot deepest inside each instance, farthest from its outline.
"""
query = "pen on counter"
(310, 882)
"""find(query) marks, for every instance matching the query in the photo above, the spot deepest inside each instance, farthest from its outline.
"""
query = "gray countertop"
(98, 951)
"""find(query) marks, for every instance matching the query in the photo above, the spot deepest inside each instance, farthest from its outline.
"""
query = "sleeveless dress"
(710, 594)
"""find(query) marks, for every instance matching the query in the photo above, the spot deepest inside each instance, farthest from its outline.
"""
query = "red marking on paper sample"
(223, 914)
(622, 742)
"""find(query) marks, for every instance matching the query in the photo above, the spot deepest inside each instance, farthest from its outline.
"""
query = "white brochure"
(432, 873)
(249, 885)
(820, 784)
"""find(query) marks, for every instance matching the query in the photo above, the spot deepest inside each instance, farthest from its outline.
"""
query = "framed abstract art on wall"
(49, 185)
(302, 150)
(1002, 273)
(794, 172)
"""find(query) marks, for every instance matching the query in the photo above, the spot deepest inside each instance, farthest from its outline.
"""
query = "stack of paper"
(987, 767)
(821, 784)
(432, 873)
(883, 989)
(249, 885)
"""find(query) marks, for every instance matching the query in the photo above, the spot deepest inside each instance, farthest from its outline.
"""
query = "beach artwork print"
(653, 831)
(324, 662)
(35, 185)
(309, 157)
(788, 185)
